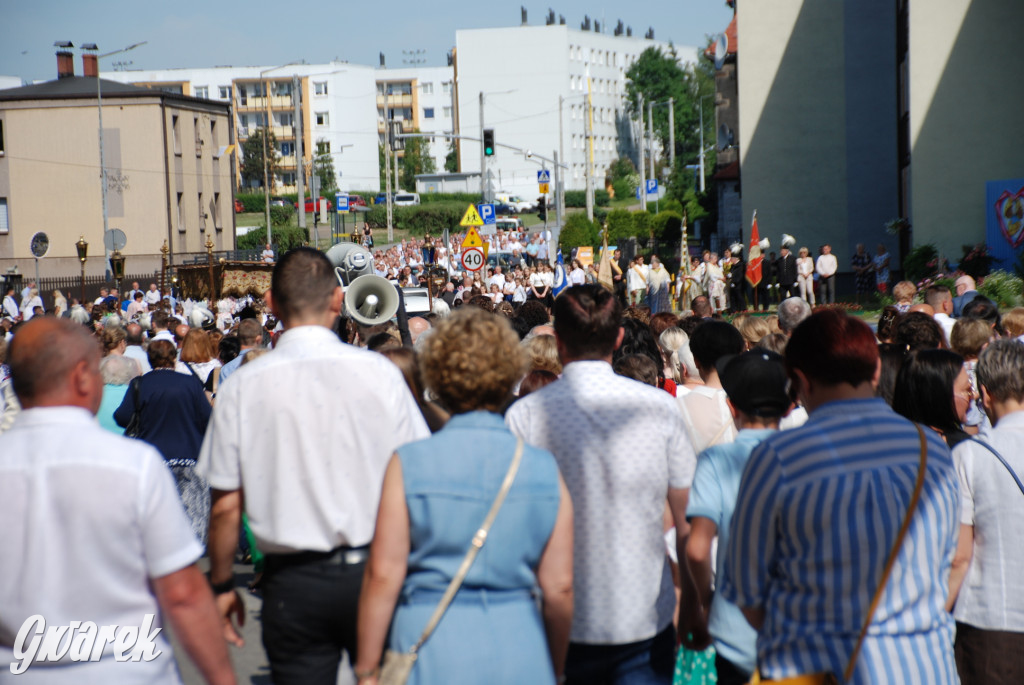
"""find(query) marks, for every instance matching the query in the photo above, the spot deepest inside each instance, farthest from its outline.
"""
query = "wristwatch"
(222, 588)
(365, 675)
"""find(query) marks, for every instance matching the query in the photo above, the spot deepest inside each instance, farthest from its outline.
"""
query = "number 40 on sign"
(472, 258)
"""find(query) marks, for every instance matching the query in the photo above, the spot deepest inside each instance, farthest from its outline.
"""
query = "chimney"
(65, 64)
(90, 66)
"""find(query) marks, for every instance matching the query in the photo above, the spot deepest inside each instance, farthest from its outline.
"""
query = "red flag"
(754, 255)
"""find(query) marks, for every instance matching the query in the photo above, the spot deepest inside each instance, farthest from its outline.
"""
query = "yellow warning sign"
(471, 218)
(544, 188)
(472, 238)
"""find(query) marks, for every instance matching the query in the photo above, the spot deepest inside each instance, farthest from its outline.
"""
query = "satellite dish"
(725, 137)
(40, 245)
(114, 239)
(721, 49)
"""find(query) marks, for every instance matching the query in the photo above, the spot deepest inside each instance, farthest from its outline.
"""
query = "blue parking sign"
(486, 213)
(652, 185)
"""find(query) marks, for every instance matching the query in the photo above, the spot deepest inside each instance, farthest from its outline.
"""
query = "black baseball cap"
(755, 382)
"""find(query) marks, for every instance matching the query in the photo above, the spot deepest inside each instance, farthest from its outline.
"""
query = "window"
(225, 92)
(176, 132)
(1, 137)
(446, 87)
(447, 112)
(214, 143)
(428, 112)
(323, 147)
(320, 87)
(321, 119)
(287, 149)
(181, 212)
(5, 227)
(203, 92)
(217, 223)
(380, 89)
(202, 214)
(427, 88)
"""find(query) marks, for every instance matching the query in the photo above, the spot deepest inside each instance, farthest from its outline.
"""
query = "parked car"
(407, 199)
(280, 202)
(382, 198)
(239, 207)
(312, 207)
(518, 204)
(502, 209)
(356, 200)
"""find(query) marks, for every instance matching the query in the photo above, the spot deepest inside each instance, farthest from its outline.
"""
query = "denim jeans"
(648, 662)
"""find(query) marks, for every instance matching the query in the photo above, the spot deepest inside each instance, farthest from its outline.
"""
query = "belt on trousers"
(340, 556)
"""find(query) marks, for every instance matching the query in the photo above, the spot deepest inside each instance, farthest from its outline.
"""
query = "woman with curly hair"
(436, 493)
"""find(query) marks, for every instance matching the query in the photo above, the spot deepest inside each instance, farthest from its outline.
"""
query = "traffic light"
(542, 209)
(488, 142)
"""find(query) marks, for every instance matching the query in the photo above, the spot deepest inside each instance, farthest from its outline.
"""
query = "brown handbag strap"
(918, 486)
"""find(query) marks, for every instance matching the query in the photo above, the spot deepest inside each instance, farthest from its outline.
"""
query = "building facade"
(419, 99)
(169, 172)
(529, 84)
(853, 114)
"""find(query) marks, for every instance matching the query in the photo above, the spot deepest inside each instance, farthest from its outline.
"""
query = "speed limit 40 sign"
(472, 258)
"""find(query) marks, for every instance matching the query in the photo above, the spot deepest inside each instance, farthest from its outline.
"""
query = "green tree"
(451, 160)
(620, 225)
(323, 166)
(578, 230)
(659, 76)
(622, 168)
(642, 224)
(252, 158)
(416, 160)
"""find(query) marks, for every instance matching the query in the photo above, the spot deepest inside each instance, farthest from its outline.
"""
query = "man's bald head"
(417, 326)
(55, 362)
(180, 331)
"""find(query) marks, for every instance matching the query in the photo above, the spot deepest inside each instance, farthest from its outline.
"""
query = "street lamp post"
(99, 106)
(83, 253)
(483, 158)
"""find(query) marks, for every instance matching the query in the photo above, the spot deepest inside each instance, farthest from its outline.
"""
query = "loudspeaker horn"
(370, 300)
(351, 261)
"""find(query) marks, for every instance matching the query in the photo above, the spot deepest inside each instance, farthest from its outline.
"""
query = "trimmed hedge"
(283, 237)
(578, 198)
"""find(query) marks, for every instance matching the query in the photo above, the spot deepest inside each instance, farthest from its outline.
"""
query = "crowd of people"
(588, 488)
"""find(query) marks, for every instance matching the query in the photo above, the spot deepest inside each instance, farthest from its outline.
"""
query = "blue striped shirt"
(818, 511)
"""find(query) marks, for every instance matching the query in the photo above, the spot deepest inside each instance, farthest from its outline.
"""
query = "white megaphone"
(370, 300)
(350, 262)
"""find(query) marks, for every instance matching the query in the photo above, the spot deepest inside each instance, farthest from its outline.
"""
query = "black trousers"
(729, 673)
(309, 616)
(992, 657)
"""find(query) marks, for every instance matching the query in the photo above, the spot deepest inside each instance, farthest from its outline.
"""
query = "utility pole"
(672, 133)
(590, 155)
(387, 172)
(643, 169)
(558, 194)
(483, 157)
(560, 155)
(700, 106)
(650, 136)
(299, 153)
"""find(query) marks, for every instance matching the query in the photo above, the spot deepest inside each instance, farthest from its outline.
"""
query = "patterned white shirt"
(620, 446)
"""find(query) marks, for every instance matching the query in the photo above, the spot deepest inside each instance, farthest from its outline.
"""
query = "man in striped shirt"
(818, 512)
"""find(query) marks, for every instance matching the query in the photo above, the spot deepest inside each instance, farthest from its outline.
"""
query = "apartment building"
(418, 99)
(323, 108)
(168, 171)
(529, 84)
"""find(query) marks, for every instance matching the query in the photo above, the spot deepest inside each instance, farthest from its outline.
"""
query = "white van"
(407, 199)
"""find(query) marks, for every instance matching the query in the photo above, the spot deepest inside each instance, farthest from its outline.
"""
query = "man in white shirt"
(302, 436)
(497, 279)
(941, 301)
(10, 305)
(826, 266)
(136, 555)
(152, 296)
(621, 447)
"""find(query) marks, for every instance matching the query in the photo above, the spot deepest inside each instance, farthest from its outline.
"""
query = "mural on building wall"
(1004, 220)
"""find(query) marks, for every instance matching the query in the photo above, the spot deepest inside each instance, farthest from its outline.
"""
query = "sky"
(206, 33)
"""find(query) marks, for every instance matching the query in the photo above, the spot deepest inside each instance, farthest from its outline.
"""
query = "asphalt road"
(251, 665)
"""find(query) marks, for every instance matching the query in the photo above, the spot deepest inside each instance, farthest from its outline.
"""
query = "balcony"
(396, 100)
(286, 162)
(260, 103)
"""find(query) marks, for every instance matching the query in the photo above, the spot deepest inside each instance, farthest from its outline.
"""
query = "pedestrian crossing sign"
(473, 239)
(471, 218)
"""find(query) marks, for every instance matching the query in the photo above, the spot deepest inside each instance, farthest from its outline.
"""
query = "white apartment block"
(422, 99)
(336, 118)
(534, 81)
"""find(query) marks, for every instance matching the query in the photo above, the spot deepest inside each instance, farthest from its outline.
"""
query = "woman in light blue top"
(436, 494)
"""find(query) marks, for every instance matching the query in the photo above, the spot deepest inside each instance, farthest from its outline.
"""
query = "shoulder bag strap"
(918, 486)
(188, 365)
(474, 548)
(1002, 460)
